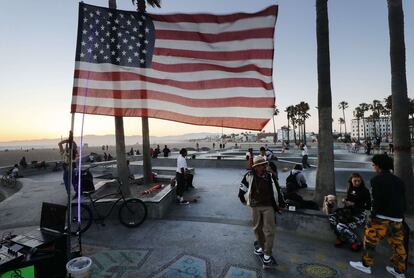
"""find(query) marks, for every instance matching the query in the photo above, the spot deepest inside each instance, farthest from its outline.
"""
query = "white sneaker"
(360, 266)
(391, 270)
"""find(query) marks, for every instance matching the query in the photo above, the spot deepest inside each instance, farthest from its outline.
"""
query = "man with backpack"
(296, 179)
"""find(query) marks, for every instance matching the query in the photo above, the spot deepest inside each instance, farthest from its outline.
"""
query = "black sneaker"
(257, 249)
(184, 202)
(269, 263)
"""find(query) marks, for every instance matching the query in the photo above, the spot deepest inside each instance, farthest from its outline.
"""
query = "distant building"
(282, 134)
(382, 128)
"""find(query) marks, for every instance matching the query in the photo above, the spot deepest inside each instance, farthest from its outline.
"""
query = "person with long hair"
(357, 201)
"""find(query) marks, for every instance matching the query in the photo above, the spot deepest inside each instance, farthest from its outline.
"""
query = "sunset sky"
(37, 53)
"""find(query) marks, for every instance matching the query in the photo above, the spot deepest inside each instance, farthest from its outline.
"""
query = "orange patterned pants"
(376, 230)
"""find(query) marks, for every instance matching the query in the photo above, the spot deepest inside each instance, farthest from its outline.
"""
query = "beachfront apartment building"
(382, 127)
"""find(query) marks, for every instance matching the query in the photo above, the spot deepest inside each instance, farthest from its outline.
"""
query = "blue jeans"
(66, 180)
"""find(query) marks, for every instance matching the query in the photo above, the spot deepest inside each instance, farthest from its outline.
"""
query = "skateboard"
(193, 199)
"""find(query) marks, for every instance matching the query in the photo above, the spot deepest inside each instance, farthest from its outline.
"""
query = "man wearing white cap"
(258, 190)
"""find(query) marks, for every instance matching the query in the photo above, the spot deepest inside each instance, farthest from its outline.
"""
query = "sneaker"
(257, 249)
(361, 267)
(269, 263)
(355, 246)
(184, 202)
(338, 242)
(391, 270)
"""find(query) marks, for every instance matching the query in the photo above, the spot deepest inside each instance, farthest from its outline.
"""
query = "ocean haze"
(99, 140)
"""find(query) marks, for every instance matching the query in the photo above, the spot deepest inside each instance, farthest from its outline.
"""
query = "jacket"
(388, 195)
(361, 198)
(246, 187)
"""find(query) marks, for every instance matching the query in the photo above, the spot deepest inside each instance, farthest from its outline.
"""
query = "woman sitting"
(345, 220)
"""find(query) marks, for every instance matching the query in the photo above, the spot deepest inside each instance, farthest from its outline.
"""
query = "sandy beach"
(10, 157)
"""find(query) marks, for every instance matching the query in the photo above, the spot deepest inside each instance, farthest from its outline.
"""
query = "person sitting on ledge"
(358, 199)
(295, 181)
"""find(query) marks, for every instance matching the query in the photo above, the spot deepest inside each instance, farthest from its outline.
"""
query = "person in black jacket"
(387, 214)
(258, 190)
(358, 199)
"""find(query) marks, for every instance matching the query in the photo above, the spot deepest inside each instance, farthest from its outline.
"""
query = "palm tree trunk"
(343, 114)
(123, 171)
(304, 131)
(288, 137)
(146, 156)
(401, 138)
(358, 128)
(325, 176)
(121, 162)
(365, 132)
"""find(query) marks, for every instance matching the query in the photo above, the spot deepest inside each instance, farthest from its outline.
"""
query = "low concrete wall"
(315, 224)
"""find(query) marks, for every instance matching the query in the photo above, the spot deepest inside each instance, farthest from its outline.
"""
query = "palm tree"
(401, 138)
(376, 108)
(411, 113)
(325, 176)
(358, 114)
(289, 111)
(364, 108)
(294, 121)
(341, 122)
(303, 114)
(123, 171)
(387, 113)
(343, 105)
(275, 113)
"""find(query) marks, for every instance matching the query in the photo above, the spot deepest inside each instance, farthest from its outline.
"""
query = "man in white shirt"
(15, 171)
(179, 175)
(304, 149)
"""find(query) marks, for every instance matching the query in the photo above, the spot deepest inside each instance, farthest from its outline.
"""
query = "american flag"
(203, 69)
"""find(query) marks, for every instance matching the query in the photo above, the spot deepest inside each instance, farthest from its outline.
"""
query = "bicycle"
(132, 212)
(8, 180)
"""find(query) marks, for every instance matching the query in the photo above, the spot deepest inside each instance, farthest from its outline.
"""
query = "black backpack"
(292, 183)
(86, 181)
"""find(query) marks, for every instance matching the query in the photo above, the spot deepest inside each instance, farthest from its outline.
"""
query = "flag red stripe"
(156, 95)
(219, 55)
(191, 67)
(258, 33)
(208, 18)
(187, 85)
(232, 122)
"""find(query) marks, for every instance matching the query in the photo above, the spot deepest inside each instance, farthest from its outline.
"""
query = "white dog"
(329, 204)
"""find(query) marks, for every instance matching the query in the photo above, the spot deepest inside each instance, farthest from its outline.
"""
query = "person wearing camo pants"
(358, 200)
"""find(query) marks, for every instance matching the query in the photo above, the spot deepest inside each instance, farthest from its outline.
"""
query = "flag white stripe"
(242, 112)
(218, 46)
(217, 28)
(185, 76)
(197, 94)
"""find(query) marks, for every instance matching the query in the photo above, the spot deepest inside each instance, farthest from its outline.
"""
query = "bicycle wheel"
(86, 218)
(132, 213)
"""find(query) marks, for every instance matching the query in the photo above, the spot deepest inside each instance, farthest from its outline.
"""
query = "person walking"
(180, 176)
(166, 151)
(304, 149)
(386, 221)
(258, 190)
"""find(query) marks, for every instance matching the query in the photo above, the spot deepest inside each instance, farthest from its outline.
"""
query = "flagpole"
(69, 207)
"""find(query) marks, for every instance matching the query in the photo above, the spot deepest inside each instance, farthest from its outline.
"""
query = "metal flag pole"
(69, 213)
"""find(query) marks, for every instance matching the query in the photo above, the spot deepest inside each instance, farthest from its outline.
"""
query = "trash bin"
(79, 267)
